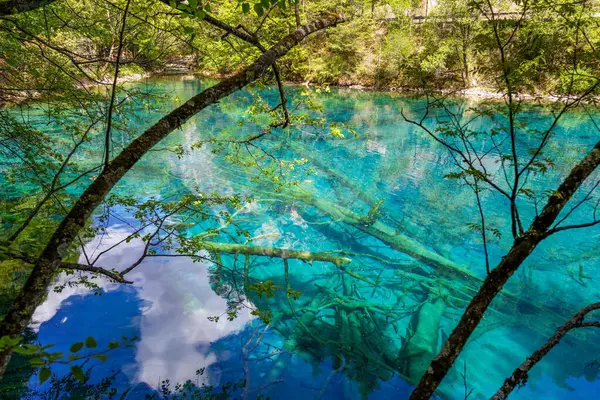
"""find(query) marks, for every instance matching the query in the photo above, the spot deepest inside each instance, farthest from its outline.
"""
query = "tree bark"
(521, 374)
(51, 257)
(494, 282)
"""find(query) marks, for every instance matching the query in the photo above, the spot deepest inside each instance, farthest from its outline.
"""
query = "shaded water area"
(350, 330)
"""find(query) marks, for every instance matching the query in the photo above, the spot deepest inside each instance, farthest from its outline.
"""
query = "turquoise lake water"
(343, 338)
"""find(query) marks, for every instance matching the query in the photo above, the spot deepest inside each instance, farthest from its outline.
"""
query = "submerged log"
(421, 342)
(304, 255)
(376, 229)
(464, 282)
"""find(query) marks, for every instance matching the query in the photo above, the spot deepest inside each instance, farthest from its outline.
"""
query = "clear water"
(168, 305)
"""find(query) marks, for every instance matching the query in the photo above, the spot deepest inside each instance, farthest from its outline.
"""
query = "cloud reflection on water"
(175, 334)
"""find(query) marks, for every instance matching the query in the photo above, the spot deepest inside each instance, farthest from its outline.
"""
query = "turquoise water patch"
(369, 328)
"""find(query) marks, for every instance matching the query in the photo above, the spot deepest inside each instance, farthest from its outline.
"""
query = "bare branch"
(115, 276)
(113, 92)
(521, 374)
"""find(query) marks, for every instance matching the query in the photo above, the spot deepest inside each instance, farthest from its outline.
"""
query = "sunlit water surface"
(168, 305)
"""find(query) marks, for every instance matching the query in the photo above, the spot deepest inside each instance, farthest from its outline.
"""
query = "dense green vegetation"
(385, 44)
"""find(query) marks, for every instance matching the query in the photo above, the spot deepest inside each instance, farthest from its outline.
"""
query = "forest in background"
(445, 44)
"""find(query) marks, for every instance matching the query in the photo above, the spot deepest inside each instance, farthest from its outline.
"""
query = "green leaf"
(37, 362)
(90, 342)
(55, 356)
(265, 3)
(245, 8)
(76, 347)
(44, 375)
(26, 350)
(336, 132)
(113, 345)
(7, 341)
(100, 357)
(258, 9)
(78, 373)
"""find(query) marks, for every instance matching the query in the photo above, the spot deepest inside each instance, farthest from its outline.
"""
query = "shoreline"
(23, 96)
(479, 93)
(475, 93)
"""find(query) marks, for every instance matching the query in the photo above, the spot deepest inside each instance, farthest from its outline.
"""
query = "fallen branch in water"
(303, 255)
(445, 269)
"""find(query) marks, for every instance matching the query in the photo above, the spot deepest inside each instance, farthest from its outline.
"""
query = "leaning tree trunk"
(521, 374)
(493, 283)
(51, 257)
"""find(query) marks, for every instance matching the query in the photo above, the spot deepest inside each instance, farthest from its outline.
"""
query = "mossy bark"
(303, 255)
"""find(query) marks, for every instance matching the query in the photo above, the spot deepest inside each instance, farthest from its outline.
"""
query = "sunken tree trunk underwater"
(450, 286)
(421, 341)
(346, 341)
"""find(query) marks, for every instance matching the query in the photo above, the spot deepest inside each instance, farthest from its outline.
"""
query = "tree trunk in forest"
(493, 283)
(465, 54)
(36, 287)
(297, 14)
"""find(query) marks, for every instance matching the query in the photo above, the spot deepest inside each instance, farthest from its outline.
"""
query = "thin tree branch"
(520, 375)
(113, 93)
